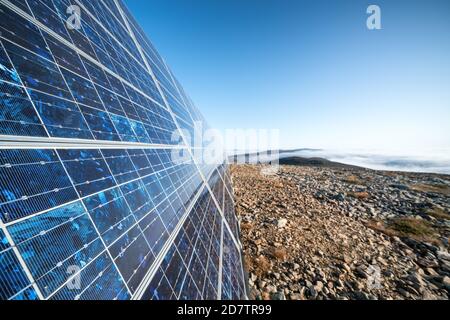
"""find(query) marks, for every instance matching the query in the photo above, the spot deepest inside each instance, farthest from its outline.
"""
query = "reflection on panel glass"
(93, 205)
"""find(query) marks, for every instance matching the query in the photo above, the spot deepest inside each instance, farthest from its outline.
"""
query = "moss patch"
(438, 213)
(434, 188)
(358, 195)
(354, 180)
(412, 228)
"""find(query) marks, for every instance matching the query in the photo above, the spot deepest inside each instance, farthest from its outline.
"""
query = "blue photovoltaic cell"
(88, 170)
(104, 202)
(37, 72)
(25, 184)
(133, 256)
(99, 280)
(17, 115)
(120, 164)
(52, 242)
(217, 186)
(124, 128)
(62, 118)
(138, 198)
(14, 283)
(141, 162)
(22, 32)
(7, 72)
(190, 268)
(21, 4)
(233, 286)
(82, 90)
(102, 128)
(154, 231)
(110, 214)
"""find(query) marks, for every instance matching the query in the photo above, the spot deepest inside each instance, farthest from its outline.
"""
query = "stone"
(278, 296)
(382, 261)
(416, 280)
(399, 186)
(340, 284)
(427, 263)
(446, 282)
(271, 289)
(302, 293)
(265, 296)
(319, 286)
(347, 259)
(320, 253)
(282, 223)
(295, 296)
(443, 255)
(346, 267)
(431, 272)
(361, 272)
(312, 293)
(361, 295)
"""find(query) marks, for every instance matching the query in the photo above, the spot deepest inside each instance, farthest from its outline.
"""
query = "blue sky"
(312, 69)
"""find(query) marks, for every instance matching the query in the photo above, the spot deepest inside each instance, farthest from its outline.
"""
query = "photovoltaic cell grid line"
(92, 206)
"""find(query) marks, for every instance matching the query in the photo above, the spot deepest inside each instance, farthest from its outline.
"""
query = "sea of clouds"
(433, 162)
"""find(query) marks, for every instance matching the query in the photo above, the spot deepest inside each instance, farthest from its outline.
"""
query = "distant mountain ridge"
(351, 159)
(316, 162)
(273, 155)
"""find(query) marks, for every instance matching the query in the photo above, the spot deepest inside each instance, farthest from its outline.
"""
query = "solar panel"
(92, 203)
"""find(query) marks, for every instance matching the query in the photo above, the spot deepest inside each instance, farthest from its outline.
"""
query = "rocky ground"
(344, 233)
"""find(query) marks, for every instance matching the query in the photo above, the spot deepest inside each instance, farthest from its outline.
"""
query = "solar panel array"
(92, 203)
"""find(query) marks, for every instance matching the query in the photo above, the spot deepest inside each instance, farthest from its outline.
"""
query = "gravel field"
(344, 233)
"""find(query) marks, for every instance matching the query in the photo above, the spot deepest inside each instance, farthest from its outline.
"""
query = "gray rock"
(361, 272)
(443, 255)
(360, 295)
(282, 223)
(313, 293)
(295, 296)
(347, 259)
(319, 286)
(278, 296)
(320, 253)
(271, 289)
(399, 186)
(417, 280)
(446, 282)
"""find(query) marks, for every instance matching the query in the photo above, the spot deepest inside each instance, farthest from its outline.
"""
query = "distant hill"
(237, 153)
(299, 150)
(292, 161)
(316, 162)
